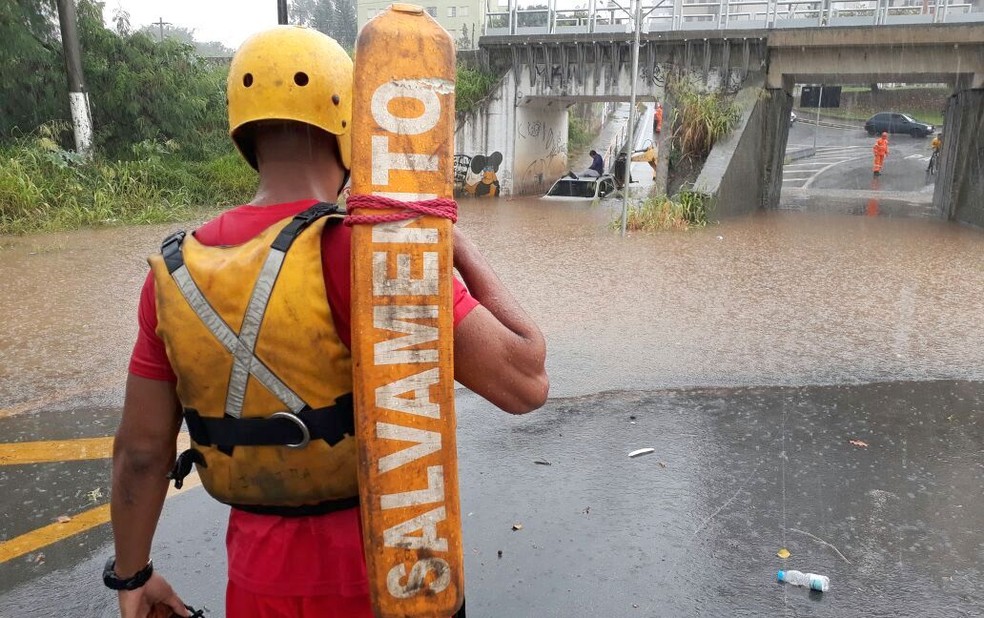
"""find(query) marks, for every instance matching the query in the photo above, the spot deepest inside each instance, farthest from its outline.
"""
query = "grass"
(701, 119)
(45, 188)
(690, 209)
(471, 87)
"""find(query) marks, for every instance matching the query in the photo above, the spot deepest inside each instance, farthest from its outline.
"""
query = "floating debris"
(783, 553)
(63, 519)
(641, 451)
(517, 527)
(859, 443)
(542, 462)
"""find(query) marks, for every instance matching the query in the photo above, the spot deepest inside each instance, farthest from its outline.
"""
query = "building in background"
(462, 18)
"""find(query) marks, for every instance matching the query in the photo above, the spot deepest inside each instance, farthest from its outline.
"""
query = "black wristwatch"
(112, 580)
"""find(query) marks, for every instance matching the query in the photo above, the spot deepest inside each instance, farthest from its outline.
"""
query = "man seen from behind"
(270, 280)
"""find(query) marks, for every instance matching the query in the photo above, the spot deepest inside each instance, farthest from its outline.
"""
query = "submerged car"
(892, 122)
(582, 188)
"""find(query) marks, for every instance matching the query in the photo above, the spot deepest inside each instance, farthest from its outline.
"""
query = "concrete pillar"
(777, 106)
(959, 191)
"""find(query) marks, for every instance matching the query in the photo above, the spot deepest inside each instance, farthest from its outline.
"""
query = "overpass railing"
(670, 15)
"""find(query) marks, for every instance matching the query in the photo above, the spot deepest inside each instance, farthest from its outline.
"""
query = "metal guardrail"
(672, 15)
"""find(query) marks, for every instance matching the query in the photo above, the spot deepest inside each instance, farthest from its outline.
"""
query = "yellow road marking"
(52, 533)
(21, 453)
(17, 453)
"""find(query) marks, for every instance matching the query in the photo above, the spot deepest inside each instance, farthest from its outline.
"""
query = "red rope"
(437, 207)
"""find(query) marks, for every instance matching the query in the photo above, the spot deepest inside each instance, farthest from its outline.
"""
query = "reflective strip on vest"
(241, 347)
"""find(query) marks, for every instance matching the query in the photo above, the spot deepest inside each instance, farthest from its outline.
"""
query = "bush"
(43, 187)
(701, 119)
(578, 135)
(690, 209)
(471, 87)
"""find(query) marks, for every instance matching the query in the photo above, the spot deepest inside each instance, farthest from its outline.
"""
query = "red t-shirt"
(304, 556)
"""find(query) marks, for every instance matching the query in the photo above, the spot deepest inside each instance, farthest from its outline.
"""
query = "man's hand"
(155, 599)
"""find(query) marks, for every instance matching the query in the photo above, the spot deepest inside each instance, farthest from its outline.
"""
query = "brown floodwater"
(771, 299)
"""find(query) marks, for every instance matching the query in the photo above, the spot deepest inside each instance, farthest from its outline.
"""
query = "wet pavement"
(750, 353)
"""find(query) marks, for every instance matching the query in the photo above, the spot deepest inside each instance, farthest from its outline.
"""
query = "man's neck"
(281, 183)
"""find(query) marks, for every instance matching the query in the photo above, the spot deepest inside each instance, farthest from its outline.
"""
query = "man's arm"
(499, 352)
(143, 453)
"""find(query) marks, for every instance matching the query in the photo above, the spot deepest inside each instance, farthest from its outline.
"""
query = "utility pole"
(282, 12)
(160, 23)
(78, 98)
(630, 138)
(816, 127)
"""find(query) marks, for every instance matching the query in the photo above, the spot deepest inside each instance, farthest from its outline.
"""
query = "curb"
(799, 153)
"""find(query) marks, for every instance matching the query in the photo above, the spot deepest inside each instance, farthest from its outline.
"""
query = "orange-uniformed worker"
(659, 117)
(881, 151)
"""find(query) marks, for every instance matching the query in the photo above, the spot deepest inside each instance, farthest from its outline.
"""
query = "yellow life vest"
(263, 378)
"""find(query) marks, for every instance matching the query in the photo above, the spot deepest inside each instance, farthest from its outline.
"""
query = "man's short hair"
(592, 153)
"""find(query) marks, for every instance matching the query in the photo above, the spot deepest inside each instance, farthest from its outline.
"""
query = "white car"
(584, 188)
(792, 117)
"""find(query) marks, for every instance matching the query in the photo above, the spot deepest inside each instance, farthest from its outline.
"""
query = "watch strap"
(138, 579)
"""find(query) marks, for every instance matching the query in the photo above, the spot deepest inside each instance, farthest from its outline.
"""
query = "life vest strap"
(330, 424)
(306, 510)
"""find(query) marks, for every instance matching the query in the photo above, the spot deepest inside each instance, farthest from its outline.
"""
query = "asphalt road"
(836, 176)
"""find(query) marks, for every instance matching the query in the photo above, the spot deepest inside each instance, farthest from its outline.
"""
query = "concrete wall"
(531, 139)
(959, 190)
(541, 147)
(490, 129)
(743, 173)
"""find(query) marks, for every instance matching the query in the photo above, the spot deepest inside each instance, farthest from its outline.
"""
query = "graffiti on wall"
(477, 176)
(553, 74)
(542, 137)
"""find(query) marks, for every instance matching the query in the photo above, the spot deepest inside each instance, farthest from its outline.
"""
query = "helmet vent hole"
(344, 124)
(335, 99)
(248, 80)
(301, 78)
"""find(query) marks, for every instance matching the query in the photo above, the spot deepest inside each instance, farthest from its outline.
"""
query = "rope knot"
(437, 207)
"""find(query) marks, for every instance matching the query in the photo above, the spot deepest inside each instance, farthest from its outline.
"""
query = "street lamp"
(630, 138)
(816, 127)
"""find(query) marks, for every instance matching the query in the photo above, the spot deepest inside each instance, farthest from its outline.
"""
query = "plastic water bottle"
(820, 583)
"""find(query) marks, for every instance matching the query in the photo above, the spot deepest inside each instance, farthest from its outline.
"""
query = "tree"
(142, 89)
(336, 18)
(33, 89)
(205, 49)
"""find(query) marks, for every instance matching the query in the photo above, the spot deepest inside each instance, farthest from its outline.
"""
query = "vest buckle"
(305, 434)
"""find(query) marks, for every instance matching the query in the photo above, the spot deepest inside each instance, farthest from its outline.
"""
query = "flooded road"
(750, 353)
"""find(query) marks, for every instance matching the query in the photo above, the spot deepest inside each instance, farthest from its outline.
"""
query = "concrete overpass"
(526, 120)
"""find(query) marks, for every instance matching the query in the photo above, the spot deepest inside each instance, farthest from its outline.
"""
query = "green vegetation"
(701, 119)
(688, 210)
(578, 135)
(471, 87)
(160, 143)
(43, 187)
(158, 109)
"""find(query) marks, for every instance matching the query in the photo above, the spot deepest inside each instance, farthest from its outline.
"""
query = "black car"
(892, 122)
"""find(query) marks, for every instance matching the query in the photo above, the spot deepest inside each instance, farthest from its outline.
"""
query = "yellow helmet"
(291, 73)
